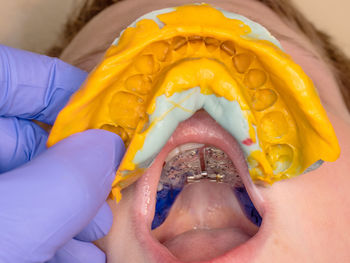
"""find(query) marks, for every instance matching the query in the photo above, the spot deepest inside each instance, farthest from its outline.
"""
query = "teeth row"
(130, 103)
(138, 81)
(128, 106)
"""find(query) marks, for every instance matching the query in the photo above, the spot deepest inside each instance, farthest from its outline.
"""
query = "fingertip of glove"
(104, 137)
(69, 74)
(107, 139)
(95, 139)
(90, 157)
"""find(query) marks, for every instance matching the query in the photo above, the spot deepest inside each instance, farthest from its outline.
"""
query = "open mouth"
(207, 102)
(192, 204)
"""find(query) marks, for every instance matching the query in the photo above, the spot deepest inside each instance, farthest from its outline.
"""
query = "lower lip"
(146, 188)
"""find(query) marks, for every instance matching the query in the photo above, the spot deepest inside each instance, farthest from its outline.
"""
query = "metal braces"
(205, 163)
(213, 177)
(218, 178)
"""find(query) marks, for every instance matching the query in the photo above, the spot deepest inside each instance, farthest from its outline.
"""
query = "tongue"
(204, 222)
(205, 244)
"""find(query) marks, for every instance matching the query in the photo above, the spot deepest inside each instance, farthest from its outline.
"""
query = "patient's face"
(305, 219)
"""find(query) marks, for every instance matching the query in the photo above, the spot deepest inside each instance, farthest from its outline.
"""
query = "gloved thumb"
(48, 201)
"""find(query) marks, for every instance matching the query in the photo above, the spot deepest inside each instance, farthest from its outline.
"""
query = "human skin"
(306, 218)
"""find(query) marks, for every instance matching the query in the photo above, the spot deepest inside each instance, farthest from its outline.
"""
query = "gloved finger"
(48, 201)
(78, 252)
(21, 140)
(35, 86)
(99, 226)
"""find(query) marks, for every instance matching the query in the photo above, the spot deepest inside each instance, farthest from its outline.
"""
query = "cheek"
(119, 240)
(315, 206)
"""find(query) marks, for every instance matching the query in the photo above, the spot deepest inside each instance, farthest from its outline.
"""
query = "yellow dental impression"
(198, 46)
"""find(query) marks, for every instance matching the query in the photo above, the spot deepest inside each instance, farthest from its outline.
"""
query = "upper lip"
(200, 128)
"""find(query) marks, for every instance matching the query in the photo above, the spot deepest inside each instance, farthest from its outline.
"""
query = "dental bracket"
(213, 177)
(203, 163)
(218, 178)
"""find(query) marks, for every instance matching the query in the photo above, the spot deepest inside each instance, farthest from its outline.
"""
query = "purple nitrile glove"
(52, 201)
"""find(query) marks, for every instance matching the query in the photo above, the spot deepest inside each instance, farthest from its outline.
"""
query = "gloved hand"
(47, 197)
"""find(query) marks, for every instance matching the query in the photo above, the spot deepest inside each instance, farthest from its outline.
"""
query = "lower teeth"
(190, 166)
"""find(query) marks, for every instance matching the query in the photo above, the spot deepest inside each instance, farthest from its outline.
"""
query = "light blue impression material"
(170, 111)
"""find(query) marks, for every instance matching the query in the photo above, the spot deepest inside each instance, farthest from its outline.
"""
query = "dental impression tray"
(172, 62)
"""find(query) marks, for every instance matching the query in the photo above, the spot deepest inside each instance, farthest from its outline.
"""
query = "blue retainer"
(193, 165)
(248, 206)
(165, 199)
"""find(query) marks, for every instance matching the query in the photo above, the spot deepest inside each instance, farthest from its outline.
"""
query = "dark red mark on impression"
(247, 142)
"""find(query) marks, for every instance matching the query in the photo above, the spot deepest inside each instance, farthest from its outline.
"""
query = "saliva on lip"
(191, 163)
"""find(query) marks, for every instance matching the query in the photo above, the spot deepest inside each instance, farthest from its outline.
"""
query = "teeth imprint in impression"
(171, 63)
